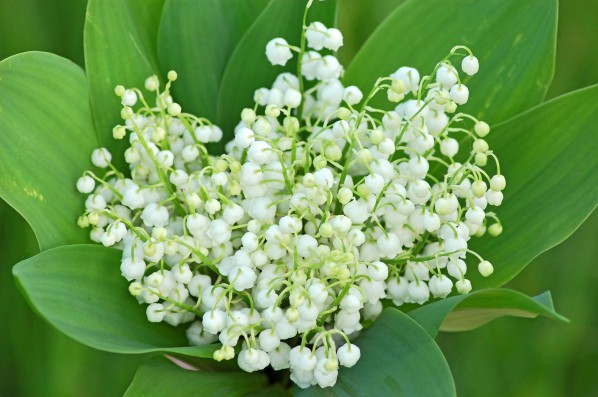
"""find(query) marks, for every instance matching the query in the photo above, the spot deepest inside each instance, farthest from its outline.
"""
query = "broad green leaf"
(120, 48)
(275, 390)
(398, 358)
(44, 359)
(248, 68)
(358, 19)
(160, 377)
(79, 290)
(465, 312)
(46, 137)
(513, 40)
(196, 39)
(483, 308)
(549, 157)
(53, 26)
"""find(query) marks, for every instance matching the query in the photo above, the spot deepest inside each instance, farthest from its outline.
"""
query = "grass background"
(512, 357)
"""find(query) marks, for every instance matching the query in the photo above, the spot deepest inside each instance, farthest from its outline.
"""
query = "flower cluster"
(321, 206)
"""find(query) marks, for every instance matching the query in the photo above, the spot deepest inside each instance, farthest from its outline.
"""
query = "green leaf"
(52, 26)
(548, 156)
(398, 358)
(161, 377)
(248, 68)
(513, 40)
(275, 390)
(367, 16)
(79, 290)
(465, 312)
(46, 137)
(120, 48)
(196, 39)
(485, 307)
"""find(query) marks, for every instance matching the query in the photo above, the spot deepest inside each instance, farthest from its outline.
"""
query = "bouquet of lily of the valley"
(268, 221)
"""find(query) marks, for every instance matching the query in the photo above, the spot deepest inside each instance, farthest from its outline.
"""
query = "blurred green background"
(510, 357)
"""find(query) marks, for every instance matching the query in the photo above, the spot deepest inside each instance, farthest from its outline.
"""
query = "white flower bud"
(242, 277)
(129, 98)
(152, 83)
(463, 286)
(155, 312)
(398, 289)
(356, 211)
(119, 132)
(482, 129)
(333, 39)
(132, 155)
(306, 246)
(203, 133)
(378, 271)
(495, 229)
(497, 183)
(278, 52)
(194, 201)
(447, 76)
(279, 357)
(315, 35)
(324, 178)
(431, 221)
(326, 372)
(470, 65)
(95, 202)
(292, 98)
(219, 231)
(132, 269)
(351, 304)
(311, 61)
(174, 109)
(244, 137)
(449, 147)
(260, 152)
(418, 292)
(459, 94)
(328, 69)
(268, 340)
(101, 157)
(485, 268)
(182, 273)
(352, 95)
(172, 75)
(212, 206)
(394, 96)
(214, 321)
(494, 197)
(232, 213)
(480, 146)
(262, 126)
(261, 96)
(479, 188)
(481, 159)
(86, 184)
(441, 286)
(386, 147)
(375, 183)
(418, 166)
(409, 76)
(248, 116)
(456, 269)
(155, 215)
(348, 355)
(475, 215)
